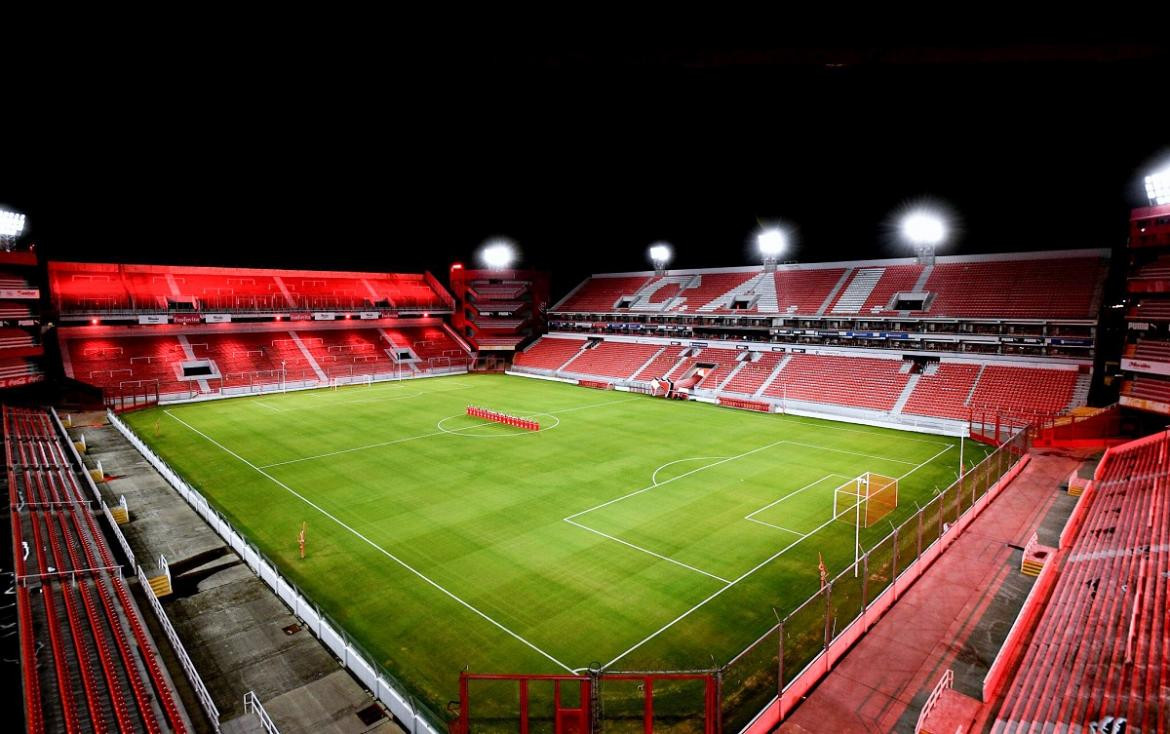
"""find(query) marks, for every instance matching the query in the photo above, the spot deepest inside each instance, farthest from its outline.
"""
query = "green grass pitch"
(630, 531)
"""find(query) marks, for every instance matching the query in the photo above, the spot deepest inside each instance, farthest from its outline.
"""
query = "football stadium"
(916, 490)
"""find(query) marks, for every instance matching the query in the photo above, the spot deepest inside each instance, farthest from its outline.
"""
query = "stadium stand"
(125, 358)
(87, 660)
(1067, 287)
(944, 392)
(752, 375)
(1023, 391)
(661, 365)
(602, 294)
(614, 359)
(854, 381)
(805, 291)
(91, 288)
(549, 353)
(1099, 658)
(1043, 285)
(951, 390)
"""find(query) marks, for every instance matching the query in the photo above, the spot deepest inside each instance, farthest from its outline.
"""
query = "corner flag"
(820, 567)
(301, 538)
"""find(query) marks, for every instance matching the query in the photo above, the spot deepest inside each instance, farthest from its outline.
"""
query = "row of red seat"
(90, 287)
(83, 608)
(1102, 647)
(253, 357)
(953, 390)
(1040, 287)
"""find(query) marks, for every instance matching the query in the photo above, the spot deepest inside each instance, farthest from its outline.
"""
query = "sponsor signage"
(153, 318)
(371, 315)
(1140, 326)
(218, 318)
(19, 380)
(1145, 365)
(20, 293)
(324, 316)
(186, 318)
(1023, 340)
(1072, 342)
(701, 345)
(300, 316)
(1153, 406)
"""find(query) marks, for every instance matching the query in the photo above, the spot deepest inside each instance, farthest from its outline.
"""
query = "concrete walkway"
(956, 616)
(240, 636)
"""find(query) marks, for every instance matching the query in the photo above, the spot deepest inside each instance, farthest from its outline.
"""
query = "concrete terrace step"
(858, 290)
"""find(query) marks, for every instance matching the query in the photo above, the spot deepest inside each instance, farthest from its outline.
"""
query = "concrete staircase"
(906, 392)
(858, 290)
(762, 286)
(772, 377)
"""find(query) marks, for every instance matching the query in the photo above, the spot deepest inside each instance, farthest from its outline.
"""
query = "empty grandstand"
(88, 662)
(1099, 657)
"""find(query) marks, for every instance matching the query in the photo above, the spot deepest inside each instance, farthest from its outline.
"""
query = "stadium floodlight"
(660, 253)
(772, 242)
(1158, 187)
(11, 225)
(924, 229)
(498, 254)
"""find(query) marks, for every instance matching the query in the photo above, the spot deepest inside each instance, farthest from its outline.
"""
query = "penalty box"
(719, 515)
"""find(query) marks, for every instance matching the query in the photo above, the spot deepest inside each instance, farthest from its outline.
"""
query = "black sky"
(583, 155)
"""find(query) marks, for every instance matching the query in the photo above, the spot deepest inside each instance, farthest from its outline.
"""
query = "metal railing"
(252, 705)
(417, 713)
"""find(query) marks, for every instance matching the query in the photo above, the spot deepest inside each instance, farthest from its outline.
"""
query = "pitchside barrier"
(759, 686)
(416, 714)
(752, 692)
(233, 385)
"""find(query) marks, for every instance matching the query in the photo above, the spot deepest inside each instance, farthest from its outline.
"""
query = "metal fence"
(415, 712)
(794, 652)
(847, 605)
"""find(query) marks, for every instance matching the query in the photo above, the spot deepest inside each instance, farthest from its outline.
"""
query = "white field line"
(791, 494)
(672, 479)
(648, 551)
(747, 573)
(761, 522)
(654, 476)
(948, 448)
(856, 430)
(369, 542)
(423, 435)
(855, 453)
(716, 593)
(367, 446)
(273, 408)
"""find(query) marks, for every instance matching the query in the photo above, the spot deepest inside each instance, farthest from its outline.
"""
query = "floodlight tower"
(498, 254)
(1158, 187)
(924, 230)
(772, 242)
(660, 255)
(11, 225)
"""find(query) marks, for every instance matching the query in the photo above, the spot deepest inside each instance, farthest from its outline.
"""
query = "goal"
(865, 500)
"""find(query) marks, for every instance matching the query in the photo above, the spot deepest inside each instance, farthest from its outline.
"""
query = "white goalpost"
(863, 501)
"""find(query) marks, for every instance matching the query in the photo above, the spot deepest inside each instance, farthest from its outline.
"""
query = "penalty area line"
(715, 594)
(648, 552)
(369, 542)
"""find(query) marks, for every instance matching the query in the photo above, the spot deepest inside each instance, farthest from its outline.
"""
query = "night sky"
(583, 155)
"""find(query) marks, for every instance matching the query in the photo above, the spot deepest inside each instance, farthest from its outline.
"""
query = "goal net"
(866, 499)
